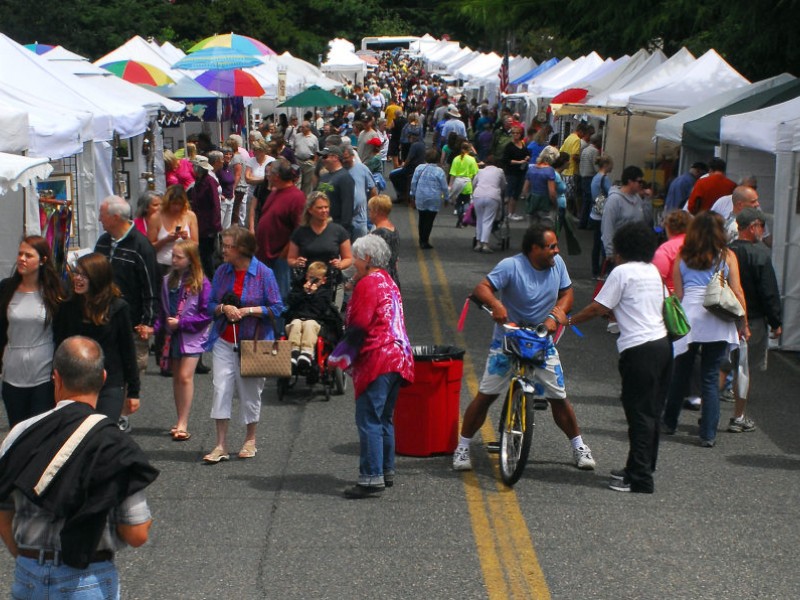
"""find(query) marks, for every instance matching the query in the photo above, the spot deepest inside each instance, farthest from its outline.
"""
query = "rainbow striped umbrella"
(39, 48)
(233, 82)
(234, 41)
(134, 71)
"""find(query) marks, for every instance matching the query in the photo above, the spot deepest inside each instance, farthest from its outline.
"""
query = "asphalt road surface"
(723, 522)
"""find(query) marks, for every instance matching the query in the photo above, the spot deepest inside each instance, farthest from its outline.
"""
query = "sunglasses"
(552, 246)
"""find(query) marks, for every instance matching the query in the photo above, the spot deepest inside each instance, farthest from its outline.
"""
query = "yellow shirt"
(391, 112)
(572, 146)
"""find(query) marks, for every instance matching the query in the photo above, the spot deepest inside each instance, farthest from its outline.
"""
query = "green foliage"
(755, 37)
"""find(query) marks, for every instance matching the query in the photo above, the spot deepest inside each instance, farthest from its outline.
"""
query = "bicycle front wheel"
(516, 433)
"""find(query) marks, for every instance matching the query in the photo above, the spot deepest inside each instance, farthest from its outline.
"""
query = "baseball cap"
(335, 150)
(202, 162)
(374, 142)
(748, 216)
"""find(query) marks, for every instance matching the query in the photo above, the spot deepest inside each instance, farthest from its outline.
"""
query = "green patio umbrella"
(314, 96)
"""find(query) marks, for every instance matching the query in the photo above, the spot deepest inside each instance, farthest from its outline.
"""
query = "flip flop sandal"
(181, 436)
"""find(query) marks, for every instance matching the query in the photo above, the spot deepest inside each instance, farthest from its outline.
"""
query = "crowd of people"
(253, 244)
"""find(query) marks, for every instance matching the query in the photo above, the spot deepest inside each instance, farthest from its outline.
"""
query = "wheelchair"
(334, 382)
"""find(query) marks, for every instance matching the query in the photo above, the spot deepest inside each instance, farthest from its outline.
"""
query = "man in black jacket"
(133, 262)
(72, 486)
(763, 300)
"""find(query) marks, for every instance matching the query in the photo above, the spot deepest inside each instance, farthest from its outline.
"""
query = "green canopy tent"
(314, 96)
(703, 133)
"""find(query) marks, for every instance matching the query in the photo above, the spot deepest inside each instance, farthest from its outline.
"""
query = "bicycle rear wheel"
(516, 433)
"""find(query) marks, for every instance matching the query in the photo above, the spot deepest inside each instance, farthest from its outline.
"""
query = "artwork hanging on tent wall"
(125, 184)
(56, 215)
(56, 187)
(124, 151)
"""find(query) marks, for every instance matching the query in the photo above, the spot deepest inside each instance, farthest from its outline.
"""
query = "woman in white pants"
(487, 194)
(245, 301)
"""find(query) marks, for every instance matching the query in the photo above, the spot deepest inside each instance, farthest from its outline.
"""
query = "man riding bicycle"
(530, 284)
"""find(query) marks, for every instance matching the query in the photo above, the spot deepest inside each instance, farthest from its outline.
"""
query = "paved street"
(723, 522)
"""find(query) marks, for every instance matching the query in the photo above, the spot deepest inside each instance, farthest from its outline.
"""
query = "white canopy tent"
(14, 125)
(638, 66)
(478, 67)
(766, 143)
(530, 84)
(33, 74)
(139, 49)
(461, 57)
(707, 76)
(662, 75)
(51, 130)
(549, 85)
(18, 177)
(671, 128)
(20, 171)
(343, 63)
(439, 56)
(420, 46)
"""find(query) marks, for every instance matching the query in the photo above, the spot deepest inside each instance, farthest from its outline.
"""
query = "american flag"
(504, 72)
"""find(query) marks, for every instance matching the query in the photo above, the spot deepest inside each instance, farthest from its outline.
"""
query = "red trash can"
(426, 413)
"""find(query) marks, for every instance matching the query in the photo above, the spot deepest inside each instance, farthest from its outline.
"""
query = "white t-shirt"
(723, 206)
(257, 170)
(634, 291)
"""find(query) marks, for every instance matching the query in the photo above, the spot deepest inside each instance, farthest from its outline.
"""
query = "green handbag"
(674, 317)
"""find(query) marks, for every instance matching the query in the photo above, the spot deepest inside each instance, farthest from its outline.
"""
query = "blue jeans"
(374, 412)
(711, 357)
(33, 580)
(283, 275)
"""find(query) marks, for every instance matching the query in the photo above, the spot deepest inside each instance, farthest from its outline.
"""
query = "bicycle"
(526, 346)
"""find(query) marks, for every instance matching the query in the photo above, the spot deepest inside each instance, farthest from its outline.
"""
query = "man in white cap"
(453, 122)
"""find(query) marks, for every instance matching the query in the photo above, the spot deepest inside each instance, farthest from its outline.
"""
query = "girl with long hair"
(184, 319)
(96, 310)
(29, 301)
(705, 251)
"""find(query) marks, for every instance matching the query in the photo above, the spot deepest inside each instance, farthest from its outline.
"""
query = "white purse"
(720, 299)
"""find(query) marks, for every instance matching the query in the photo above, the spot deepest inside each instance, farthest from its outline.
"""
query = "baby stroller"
(334, 381)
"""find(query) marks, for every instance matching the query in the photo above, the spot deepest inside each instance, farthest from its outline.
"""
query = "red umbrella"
(570, 96)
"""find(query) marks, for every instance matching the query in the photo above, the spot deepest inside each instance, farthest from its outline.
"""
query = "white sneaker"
(583, 458)
(613, 327)
(515, 217)
(461, 460)
(124, 424)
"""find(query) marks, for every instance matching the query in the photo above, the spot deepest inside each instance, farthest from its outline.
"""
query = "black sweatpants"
(646, 371)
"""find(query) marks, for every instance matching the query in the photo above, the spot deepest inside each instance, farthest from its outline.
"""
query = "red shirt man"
(709, 189)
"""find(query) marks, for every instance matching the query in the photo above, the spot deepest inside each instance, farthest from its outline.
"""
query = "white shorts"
(548, 380)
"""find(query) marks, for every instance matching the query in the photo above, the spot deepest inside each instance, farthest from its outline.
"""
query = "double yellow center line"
(505, 550)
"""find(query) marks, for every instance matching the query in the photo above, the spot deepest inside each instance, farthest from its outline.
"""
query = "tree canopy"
(755, 37)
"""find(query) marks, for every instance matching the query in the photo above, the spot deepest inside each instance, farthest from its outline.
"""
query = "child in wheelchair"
(310, 312)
